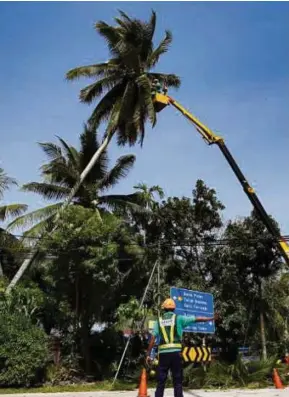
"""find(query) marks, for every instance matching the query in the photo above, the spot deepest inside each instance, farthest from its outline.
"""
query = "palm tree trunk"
(27, 262)
(262, 324)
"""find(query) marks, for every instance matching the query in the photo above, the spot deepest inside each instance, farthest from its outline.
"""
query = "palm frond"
(149, 191)
(37, 230)
(52, 151)
(127, 129)
(97, 70)
(121, 169)
(161, 49)
(5, 182)
(124, 16)
(131, 36)
(128, 133)
(94, 90)
(34, 216)
(145, 92)
(110, 34)
(105, 106)
(148, 34)
(157, 189)
(141, 186)
(12, 210)
(139, 119)
(59, 167)
(151, 26)
(113, 123)
(48, 191)
(60, 172)
(122, 23)
(123, 203)
(128, 102)
(70, 151)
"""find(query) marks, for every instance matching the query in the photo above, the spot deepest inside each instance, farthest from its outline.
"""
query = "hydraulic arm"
(161, 101)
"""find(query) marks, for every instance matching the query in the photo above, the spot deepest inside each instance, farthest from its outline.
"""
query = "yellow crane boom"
(163, 100)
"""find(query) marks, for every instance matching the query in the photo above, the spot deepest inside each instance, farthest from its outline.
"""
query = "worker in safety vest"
(169, 328)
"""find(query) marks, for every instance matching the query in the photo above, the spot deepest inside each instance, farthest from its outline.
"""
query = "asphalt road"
(168, 393)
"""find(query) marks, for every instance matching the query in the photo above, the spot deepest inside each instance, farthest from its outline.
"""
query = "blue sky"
(233, 59)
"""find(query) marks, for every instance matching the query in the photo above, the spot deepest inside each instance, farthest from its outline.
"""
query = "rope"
(140, 306)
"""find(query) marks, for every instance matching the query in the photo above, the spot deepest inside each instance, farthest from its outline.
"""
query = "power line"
(162, 244)
(285, 237)
(204, 240)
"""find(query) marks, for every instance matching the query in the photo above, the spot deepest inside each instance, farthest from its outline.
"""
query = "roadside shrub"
(23, 350)
(61, 375)
(238, 374)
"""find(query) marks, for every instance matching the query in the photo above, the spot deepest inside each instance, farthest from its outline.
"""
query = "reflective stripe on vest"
(169, 342)
(170, 346)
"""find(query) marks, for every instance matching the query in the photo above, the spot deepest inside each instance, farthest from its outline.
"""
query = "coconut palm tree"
(65, 164)
(149, 196)
(123, 83)
(149, 193)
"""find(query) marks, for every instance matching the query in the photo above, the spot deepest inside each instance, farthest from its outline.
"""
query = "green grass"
(99, 386)
(104, 386)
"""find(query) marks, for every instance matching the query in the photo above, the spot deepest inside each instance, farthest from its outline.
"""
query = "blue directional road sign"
(195, 303)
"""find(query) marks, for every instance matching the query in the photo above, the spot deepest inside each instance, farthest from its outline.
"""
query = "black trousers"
(172, 362)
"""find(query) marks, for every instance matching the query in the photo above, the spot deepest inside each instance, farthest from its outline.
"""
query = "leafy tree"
(127, 312)
(85, 274)
(275, 299)
(62, 172)
(23, 350)
(181, 227)
(23, 344)
(124, 81)
(238, 273)
(26, 300)
(175, 231)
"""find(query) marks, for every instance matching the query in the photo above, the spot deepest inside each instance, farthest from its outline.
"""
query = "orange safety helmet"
(169, 304)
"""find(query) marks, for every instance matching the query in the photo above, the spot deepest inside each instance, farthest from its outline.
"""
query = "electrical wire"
(51, 253)
(163, 243)
(22, 250)
(285, 237)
